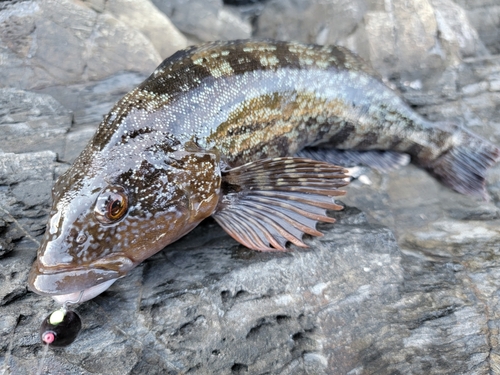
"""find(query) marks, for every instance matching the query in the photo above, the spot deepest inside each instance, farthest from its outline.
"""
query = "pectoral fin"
(270, 202)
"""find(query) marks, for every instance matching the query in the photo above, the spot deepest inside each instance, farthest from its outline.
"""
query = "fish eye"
(111, 205)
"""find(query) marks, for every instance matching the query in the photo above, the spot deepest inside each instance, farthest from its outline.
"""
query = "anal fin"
(383, 161)
(270, 202)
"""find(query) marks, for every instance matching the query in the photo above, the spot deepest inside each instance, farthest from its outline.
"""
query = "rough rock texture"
(407, 285)
(205, 20)
(322, 22)
(410, 40)
(485, 17)
(60, 41)
(145, 17)
(88, 102)
(32, 122)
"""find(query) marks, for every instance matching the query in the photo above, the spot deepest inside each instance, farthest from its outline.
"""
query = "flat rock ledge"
(352, 303)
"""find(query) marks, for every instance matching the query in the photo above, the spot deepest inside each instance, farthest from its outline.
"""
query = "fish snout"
(66, 283)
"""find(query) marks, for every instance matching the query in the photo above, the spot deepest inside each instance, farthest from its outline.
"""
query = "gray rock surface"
(321, 22)
(55, 42)
(88, 103)
(205, 20)
(410, 40)
(145, 17)
(32, 122)
(485, 17)
(407, 286)
(221, 308)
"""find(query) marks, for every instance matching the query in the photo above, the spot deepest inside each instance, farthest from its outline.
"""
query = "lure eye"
(111, 205)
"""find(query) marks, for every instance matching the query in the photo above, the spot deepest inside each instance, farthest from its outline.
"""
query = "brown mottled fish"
(213, 132)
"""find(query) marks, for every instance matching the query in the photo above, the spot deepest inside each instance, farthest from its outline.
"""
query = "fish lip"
(60, 282)
(67, 279)
(83, 295)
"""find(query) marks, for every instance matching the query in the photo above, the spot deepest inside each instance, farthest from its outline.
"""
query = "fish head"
(105, 220)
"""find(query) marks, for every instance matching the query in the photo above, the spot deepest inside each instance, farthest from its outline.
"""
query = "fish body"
(213, 132)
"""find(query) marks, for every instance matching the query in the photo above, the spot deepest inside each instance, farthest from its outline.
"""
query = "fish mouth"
(83, 295)
(71, 285)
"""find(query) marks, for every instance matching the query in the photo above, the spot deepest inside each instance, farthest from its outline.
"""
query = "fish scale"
(213, 132)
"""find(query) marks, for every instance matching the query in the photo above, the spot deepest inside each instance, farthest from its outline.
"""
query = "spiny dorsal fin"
(270, 202)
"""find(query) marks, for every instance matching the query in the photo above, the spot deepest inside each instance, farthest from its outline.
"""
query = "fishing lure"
(62, 326)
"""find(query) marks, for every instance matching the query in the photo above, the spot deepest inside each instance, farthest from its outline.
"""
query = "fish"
(246, 132)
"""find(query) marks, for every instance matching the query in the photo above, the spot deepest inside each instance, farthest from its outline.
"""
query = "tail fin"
(463, 167)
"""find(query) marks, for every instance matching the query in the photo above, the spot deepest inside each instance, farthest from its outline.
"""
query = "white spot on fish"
(224, 68)
(269, 60)
(54, 222)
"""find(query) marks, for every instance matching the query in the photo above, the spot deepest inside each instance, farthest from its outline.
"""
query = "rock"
(404, 41)
(144, 16)
(467, 95)
(243, 2)
(6, 244)
(89, 102)
(205, 20)
(25, 183)
(251, 310)
(437, 227)
(57, 42)
(37, 121)
(485, 17)
(278, 313)
(32, 122)
(326, 22)
(456, 31)
(409, 285)
(411, 38)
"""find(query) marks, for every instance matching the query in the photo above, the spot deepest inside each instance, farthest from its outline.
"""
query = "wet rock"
(205, 20)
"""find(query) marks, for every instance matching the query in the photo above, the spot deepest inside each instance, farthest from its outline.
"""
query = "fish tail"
(464, 166)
